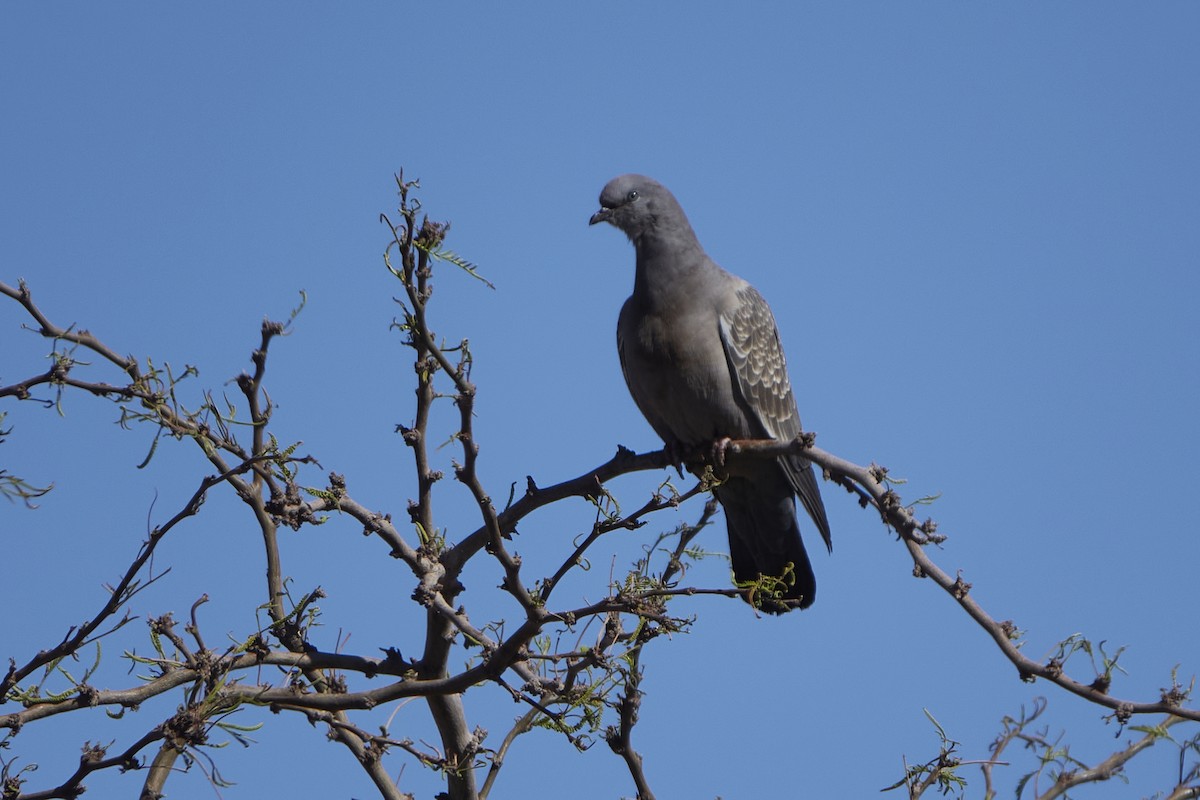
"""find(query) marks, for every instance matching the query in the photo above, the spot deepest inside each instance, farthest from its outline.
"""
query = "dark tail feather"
(764, 539)
(804, 481)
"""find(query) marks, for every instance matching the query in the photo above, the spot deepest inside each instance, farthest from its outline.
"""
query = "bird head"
(636, 205)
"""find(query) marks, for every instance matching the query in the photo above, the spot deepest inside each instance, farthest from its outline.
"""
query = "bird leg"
(719, 449)
(675, 456)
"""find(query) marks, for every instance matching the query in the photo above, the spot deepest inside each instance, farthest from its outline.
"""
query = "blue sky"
(977, 226)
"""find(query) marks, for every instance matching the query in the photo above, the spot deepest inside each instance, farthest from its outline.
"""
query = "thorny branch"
(1064, 772)
(539, 656)
(873, 488)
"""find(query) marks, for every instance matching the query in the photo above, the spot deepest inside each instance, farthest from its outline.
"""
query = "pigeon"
(701, 356)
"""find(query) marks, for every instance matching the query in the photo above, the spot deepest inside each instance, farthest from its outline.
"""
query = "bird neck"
(667, 267)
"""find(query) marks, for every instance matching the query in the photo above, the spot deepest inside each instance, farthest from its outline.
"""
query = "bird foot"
(675, 457)
(719, 449)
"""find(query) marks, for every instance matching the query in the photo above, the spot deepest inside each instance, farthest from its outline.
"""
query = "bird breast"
(679, 378)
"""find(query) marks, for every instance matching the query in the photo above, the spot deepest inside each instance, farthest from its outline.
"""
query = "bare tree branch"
(537, 654)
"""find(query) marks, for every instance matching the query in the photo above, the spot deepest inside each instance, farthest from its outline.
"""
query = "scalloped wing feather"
(756, 359)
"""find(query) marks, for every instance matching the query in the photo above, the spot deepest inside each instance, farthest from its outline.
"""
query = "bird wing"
(755, 356)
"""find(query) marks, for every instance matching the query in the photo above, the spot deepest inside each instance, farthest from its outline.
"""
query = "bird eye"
(633, 195)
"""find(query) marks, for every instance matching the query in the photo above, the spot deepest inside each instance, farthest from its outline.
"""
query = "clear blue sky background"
(977, 225)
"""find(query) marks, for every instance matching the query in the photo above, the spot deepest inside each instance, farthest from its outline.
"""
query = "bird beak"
(602, 215)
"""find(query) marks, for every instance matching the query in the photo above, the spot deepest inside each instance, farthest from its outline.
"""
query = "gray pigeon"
(702, 358)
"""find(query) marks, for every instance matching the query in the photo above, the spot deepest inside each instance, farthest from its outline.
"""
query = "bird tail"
(764, 543)
(804, 480)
